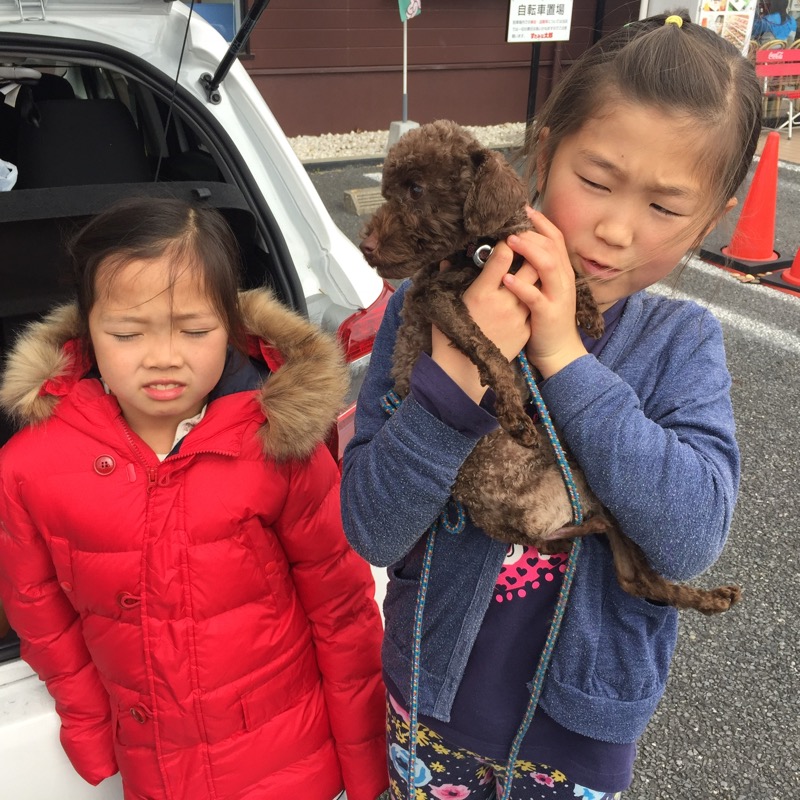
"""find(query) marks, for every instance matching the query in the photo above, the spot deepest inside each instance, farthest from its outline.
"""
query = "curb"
(373, 160)
(344, 161)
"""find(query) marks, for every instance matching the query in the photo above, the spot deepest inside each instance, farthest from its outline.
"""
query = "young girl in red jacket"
(171, 551)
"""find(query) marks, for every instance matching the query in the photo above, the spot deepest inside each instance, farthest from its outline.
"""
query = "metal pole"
(599, 14)
(210, 83)
(405, 71)
(532, 81)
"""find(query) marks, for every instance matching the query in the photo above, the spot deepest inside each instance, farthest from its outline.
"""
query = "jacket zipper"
(152, 472)
(137, 452)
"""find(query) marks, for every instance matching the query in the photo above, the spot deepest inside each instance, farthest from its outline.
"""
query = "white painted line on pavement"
(748, 326)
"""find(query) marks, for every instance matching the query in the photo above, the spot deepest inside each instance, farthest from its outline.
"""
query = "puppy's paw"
(591, 321)
(588, 315)
(522, 431)
(720, 599)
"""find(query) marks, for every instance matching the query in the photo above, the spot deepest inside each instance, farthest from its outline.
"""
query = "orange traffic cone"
(786, 278)
(751, 248)
(792, 275)
(755, 231)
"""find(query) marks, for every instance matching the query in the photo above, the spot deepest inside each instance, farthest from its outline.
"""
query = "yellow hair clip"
(674, 19)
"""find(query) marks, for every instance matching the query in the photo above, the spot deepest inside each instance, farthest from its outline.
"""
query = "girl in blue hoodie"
(633, 161)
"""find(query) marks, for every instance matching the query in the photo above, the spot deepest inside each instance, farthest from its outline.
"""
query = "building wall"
(332, 66)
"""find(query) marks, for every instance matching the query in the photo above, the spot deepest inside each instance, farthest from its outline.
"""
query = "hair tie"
(674, 19)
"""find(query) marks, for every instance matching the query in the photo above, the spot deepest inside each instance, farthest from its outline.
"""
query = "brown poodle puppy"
(446, 196)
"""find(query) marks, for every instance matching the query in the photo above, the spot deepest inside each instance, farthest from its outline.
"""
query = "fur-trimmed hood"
(300, 399)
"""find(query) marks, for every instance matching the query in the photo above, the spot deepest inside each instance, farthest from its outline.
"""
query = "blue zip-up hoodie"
(650, 423)
(772, 26)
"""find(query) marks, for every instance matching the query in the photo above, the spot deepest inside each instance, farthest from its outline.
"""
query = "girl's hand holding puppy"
(554, 340)
(501, 315)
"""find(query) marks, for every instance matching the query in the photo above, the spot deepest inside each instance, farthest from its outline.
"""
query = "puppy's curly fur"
(446, 194)
(471, 197)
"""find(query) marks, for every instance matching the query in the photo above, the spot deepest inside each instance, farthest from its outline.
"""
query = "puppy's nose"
(368, 245)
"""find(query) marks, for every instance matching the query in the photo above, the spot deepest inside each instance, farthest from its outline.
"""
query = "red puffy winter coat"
(201, 622)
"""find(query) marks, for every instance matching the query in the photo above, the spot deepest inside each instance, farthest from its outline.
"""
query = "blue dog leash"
(390, 403)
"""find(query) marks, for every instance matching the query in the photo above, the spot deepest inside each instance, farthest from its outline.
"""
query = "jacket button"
(127, 600)
(66, 586)
(141, 713)
(104, 465)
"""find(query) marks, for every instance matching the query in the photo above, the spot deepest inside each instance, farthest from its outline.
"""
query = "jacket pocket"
(635, 644)
(133, 722)
(61, 554)
(273, 567)
(282, 692)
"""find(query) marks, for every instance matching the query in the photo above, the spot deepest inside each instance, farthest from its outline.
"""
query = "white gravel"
(372, 144)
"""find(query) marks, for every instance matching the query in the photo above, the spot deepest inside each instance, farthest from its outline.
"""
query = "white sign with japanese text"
(539, 22)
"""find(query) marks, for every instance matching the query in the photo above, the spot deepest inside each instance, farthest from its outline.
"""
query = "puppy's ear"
(496, 196)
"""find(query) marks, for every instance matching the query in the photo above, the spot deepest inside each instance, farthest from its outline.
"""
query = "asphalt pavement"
(729, 724)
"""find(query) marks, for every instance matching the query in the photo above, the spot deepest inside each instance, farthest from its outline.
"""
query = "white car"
(108, 99)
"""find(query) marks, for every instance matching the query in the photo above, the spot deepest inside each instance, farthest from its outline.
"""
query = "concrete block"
(363, 201)
(397, 129)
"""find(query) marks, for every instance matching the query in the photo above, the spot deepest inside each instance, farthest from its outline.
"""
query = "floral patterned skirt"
(446, 772)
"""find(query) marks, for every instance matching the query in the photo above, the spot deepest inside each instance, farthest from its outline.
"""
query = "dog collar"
(479, 253)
